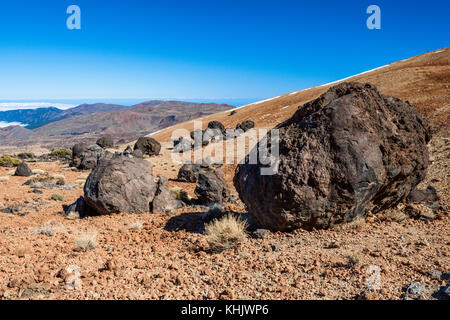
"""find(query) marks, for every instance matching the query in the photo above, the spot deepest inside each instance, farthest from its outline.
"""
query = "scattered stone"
(260, 233)
(217, 126)
(246, 125)
(428, 195)
(164, 199)
(446, 275)
(148, 146)
(275, 247)
(435, 274)
(415, 289)
(183, 145)
(23, 170)
(190, 172)
(106, 142)
(342, 155)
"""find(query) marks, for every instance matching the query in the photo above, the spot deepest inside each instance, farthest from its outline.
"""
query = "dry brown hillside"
(423, 80)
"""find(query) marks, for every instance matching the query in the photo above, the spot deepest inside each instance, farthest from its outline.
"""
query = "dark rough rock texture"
(164, 199)
(78, 149)
(246, 125)
(105, 142)
(23, 170)
(217, 125)
(120, 184)
(190, 172)
(212, 187)
(148, 146)
(427, 195)
(182, 145)
(351, 151)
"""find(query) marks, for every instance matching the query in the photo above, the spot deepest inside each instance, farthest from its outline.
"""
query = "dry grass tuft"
(4, 179)
(136, 225)
(87, 241)
(358, 223)
(225, 233)
(38, 171)
(49, 228)
(395, 215)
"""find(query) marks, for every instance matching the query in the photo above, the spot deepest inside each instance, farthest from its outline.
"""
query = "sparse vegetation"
(38, 171)
(181, 194)
(87, 241)
(136, 225)
(57, 197)
(50, 228)
(61, 153)
(225, 233)
(358, 223)
(45, 179)
(25, 155)
(353, 259)
(395, 215)
(7, 159)
(4, 179)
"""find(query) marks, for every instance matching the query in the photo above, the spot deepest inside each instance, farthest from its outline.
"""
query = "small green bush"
(57, 197)
(61, 153)
(25, 155)
(4, 160)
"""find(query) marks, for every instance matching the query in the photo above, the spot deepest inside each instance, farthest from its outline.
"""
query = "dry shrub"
(395, 215)
(225, 233)
(4, 179)
(38, 171)
(87, 241)
(358, 223)
(57, 197)
(50, 228)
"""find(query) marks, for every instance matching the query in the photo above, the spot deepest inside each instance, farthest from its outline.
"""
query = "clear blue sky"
(204, 48)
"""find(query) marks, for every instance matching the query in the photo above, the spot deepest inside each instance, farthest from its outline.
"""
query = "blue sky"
(203, 49)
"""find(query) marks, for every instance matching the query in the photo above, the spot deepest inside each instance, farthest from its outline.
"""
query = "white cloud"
(5, 106)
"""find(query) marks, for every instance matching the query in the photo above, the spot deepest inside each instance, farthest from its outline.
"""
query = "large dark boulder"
(106, 142)
(120, 184)
(211, 186)
(23, 170)
(351, 151)
(148, 146)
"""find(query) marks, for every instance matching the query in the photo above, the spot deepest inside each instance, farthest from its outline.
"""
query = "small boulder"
(217, 125)
(427, 195)
(148, 146)
(212, 187)
(106, 142)
(246, 125)
(164, 199)
(23, 170)
(189, 172)
(183, 145)
(120, 184)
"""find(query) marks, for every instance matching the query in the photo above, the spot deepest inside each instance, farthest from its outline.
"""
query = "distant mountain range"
(52, 127)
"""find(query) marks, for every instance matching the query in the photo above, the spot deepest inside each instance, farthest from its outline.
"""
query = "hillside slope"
(423, 80)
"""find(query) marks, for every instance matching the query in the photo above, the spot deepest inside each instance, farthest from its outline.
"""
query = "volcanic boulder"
(120, 184)
(189, 172)
(211, 186)
(23, 170)
(351, 151)
(148, 146)
(246, 125)
(217, 125)
(106, 142)
(164, 199)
